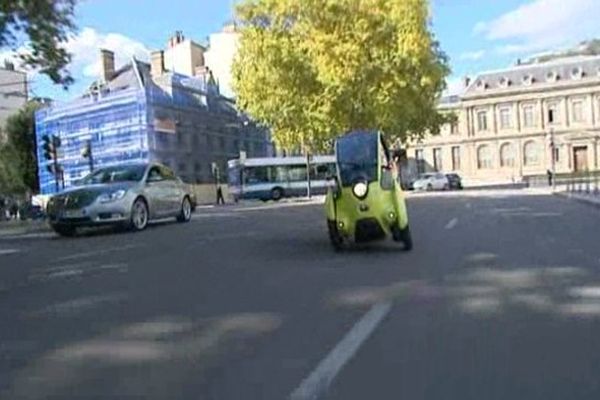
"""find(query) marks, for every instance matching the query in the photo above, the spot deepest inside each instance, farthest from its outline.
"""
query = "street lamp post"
(552, 147)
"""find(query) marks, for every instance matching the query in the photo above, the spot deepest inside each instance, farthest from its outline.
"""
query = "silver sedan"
(126, 195)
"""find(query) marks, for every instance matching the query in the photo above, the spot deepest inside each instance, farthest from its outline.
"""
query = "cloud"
(542, 24)
(85, 48)
(472, 55)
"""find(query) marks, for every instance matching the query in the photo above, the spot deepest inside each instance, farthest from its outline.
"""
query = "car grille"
(368, 229)
(72, 201)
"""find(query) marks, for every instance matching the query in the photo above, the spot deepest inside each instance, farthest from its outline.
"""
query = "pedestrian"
(550, 177)
(220, 198)
(14, 210)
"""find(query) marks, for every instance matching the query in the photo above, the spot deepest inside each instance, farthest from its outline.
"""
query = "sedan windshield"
(357, 158)
(127, 173)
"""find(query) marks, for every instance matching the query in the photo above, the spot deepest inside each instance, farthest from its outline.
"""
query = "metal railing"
(587, 182)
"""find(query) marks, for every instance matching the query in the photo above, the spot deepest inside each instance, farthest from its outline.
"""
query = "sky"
(477, 35)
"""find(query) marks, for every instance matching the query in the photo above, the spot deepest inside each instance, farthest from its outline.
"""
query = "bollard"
(596, 184)
(587, 182)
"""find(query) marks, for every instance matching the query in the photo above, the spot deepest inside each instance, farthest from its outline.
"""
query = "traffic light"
(86, 152)
(50, 145)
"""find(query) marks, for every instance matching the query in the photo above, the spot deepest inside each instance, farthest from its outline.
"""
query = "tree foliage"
(47, 24)
(314, 69)
(20, 151)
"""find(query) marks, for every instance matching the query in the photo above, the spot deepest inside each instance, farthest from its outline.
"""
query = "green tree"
(10, 179)
(46, 24)
(313, 69)
(21, 141)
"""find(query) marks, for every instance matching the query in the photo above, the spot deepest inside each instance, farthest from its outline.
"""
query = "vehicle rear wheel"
(446, 186)
(66, 231)
(429, 187)
(404, 236)
(337, 241)
(139, 215)
(276, 194)
(185, 215)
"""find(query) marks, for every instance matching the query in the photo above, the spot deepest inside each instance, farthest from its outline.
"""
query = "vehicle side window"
(167, 174)
(154, 174)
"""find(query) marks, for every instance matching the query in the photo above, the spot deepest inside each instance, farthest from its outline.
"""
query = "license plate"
(71, 214)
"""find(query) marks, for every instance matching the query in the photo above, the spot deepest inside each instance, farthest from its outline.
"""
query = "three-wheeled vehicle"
(365, 201)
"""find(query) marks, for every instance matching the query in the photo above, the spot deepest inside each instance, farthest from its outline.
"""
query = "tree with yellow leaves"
(314, 69)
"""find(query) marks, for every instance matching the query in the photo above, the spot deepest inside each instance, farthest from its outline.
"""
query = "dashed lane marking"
(4, 252)
(317, 383)
(98, 252)
(452, 223)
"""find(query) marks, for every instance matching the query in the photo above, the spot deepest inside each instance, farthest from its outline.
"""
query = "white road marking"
(8, 251)
(452, 223)
(317, 383)
(98, 252)
(77, 306)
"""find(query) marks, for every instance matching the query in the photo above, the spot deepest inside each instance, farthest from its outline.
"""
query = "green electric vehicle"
(365, 201)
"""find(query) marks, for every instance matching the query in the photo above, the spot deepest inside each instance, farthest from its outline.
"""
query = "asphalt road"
(500, 299)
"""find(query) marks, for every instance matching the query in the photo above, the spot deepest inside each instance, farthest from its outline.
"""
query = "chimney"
(466, 81)
(157, 63)
(175, 39)
(107, 59)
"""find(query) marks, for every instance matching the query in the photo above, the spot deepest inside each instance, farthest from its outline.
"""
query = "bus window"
(277, 174)
(297, 173)
(321, 172)
(256, 175)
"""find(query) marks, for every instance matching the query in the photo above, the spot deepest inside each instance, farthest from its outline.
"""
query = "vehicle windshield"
(122, 173)
(357, 158)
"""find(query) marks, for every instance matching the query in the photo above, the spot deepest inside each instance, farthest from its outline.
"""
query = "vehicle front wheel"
(429, 187)
(404, 236)
(139, 215)
(65, 230)
(337, 241)
(276, 194)
(185, 215)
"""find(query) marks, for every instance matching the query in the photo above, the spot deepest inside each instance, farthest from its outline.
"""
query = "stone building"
(510, 123)
(13, 93)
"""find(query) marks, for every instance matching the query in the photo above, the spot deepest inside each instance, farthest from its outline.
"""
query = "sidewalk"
(587, 198)
(17, 227)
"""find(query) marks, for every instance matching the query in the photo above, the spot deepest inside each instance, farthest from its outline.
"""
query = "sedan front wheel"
(139, 215)
(185, 215)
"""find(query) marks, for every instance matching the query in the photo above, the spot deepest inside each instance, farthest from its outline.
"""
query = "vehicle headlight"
(112, 196)
(360, 189)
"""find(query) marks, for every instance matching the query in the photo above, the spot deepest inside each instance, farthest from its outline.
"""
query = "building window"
(507, 155)
(556, 154)
(505, 120)
(482, 121)
(553, 113)
(222, 144)
(437, 159)
(455, 158)
(484, 157)
(528, 119)
(577, 111)
(454, 128)
(531, 154)
(420, 161)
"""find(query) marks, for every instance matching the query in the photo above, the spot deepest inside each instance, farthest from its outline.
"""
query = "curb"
(580, 198)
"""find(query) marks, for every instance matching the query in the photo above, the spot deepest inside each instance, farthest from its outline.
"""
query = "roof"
(572, 69)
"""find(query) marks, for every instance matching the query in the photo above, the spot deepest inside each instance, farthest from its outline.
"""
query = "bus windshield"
(357, 158)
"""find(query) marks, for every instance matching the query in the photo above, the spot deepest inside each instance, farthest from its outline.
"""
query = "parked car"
(454, 181)
(126, 195)
(431, 181)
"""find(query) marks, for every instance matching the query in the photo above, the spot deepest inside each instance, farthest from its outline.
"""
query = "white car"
(432, 181)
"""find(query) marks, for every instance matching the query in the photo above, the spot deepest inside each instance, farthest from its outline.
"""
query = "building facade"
(511, 124)
(144, 112)
(13, 93)
(221, 52)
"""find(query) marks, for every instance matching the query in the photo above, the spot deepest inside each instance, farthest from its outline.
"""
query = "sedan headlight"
(112, 196)
(360, 190)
